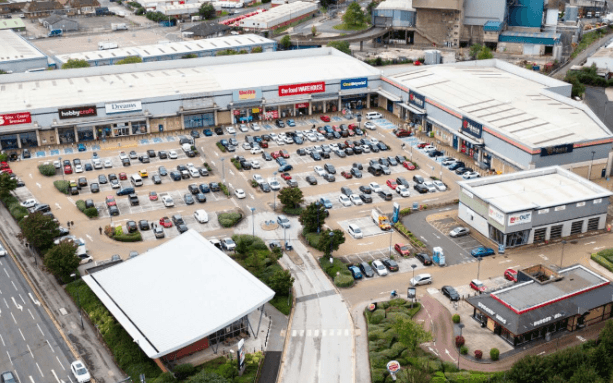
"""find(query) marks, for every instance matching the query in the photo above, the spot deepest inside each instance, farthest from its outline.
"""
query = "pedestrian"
(100, 229)
(71, 223)
(68, 224)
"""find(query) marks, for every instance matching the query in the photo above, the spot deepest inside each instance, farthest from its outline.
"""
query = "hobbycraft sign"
(15, 119)
(79, 111)
(306, 88)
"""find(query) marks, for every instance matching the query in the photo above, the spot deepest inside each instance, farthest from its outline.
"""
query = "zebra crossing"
(316, 333)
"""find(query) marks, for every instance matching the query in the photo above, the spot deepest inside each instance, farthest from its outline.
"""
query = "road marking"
(301, 333)
(19, 307)
(423, 239)
(58, 205)
(590, 243)
(41, 331)
(6, 303)
(506, 261)
(14, 320)
(88, 237)
(61, 365)
(338, 332)
(71, 200)
(543, 256)
(437, 237)
(37, 184)
(213, 162)
(31, 314)
(323, 333)
(428, 200)
(308, 333)
(251, 195)
(30, 175)
(39, 370)
(294, 332)
(600, 247)
(582, 339)
(230, 171)
(316, 333)
(14, 286)
(7, 273)
(433, 351)
(23, 337)
(452, 358)
(445, 209)
(346, 332)
(2, 339)
(29, 349)
(56, 378)
(24, 302)
(50, 346)
(11, 360)
(540, 353)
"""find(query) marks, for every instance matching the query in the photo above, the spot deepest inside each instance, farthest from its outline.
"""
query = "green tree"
(74, 63)
(207, 377)
(342, 46)
(585, 374)
(291, 197)
(354, 16)
(410, 333)
(4, 157)
(257, 50)
(474, 51)
(314, 30)
(39, 230)
(371, 6)
(285, 42)
(62, 260)
(130, 60)
(578, 88)
(281, 282)
(313, 217)
(485, 53)
(7, 185)
(326, 239)
(207, 11)
(530, 369)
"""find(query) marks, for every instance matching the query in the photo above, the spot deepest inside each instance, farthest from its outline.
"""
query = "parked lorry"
(380, 220)
(106, 45)
(119, 27)
(55, 33)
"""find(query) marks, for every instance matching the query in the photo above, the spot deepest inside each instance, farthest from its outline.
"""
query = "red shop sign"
(306, 88)
(15, 118)
(302, 105)
(237, 112)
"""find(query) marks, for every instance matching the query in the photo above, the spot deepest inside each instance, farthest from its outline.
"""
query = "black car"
(451, 293)
(112, 176)
(125, 162)
(162, 155)
(76, 162)
(246, 165)
(382, 146)
(144, 159)
(386, 195)
(358, 150)
(133, 199)
(436, 153)
(418, 179)
(175, 175)
(383, 161)
(280, 123)
(330, 168)
(182, 228)
(456, 165)
(188, 198)
(357, 165)
(193, 188)
(82, 181)
(316, 156)
(200, 197)
(400, 158)
(311, 180)
(214, 186)
(151, 153)
(94, 187)
(462, 170)
(420, 188)
(194, 133)
(365, 198)
(177, 219)
(366, 269)
(266, 156)
(349, 152)
(88, 167)
(424, 258)
(329, 177)
(156, 179)
(365, 189)
(219, 131)
(143, 224)
(402, 181)
(266, 137)
(162, 171)
(373, 148)
(131, 225)
(346, 191)
(356, 172)
(204, 188)
(390, 264)
(102, 179)
(74, 190)
(265, 187)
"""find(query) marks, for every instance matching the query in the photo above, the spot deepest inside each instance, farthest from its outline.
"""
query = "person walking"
(100, 229)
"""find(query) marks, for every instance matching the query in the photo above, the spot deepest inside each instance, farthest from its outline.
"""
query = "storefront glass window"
(331, 106)
(28, 140)
(139, 127)
(199, 120)
(356, 102)
(496, 235)
(286, 111)
(120, 130)
(66, 135)
(85, 133)
(318, 107)
(517, 238)
(9, 141)
(104, 131)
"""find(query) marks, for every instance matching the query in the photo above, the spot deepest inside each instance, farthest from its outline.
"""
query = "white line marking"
(13, 318)
(39, 370)
(58, 205)
(61, 365)
(50, 346)
(7, 273)
(56, 378)
(600, 247)
(19, 307)
(88, 237)
(22, 337)
(37, 303)
(316, 333)
(14, 286)
(31, 314)
(323, 333)
(590, 243)
(294, 333)
(11, 360)
(6, 303)
(24, 302)
(2, 339)
(39, 329)
(308, 333)
(31, 379)
(29, 349)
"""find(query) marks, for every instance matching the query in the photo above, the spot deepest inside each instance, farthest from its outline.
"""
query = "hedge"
(602, 261)
(463, 350)
(80, 205)
(224, 189)
(293, 210)
(494, 354)
(47, 170)
(91, 212)
(229, 219)
(62, 186)
(207, 166)
(237, 164)
(313, 239)
(128, 237)
(344, 280)
(337, 271)
(18, 212)
(221, 147)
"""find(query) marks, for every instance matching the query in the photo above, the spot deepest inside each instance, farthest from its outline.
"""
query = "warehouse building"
(533, 206)
(14, 24)
(188, 296)
(278, 17)
(543, 302)
(18, 55)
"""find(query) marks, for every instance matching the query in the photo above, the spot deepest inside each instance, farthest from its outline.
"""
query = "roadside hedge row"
(90, 212)
(14, 207)
(337, 271)
(229, 219)
(602, 261)
(62, 185)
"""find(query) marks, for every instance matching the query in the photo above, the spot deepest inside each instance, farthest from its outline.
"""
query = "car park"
(424, 259)
(375, 187)
(166, 222)
(421, 279)
(188, 198)
(94, 187)
(143, 224)
(326, 202)
(477, 285)
(158, 231)
(379, 267)
(391, 265)
(420, 188)
(365, 198)
(430, 186)
(131, 225)
(439, 185)
(365, 189)
(408, 165)
(346, 175)
(459, 232)
(403, 191)
(265, 187)
(450, 293)
(168, 201)
(355, 199)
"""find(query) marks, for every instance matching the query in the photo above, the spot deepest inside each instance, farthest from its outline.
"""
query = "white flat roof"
(177, 293)
(510, 100)
(195, 76)
(184, 47)
(15, 48)
(403, 5)
(282, 10)
(534, 189)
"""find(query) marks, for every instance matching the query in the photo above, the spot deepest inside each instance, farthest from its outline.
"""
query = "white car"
(57, 164)
(201, 216)
(256, 150)
(379, 267)
(29, 203)
(373, 115)
(172, 155)
(274, 184)
(403, 191)
(273, 136)
(369, 125)
(2, 251)
(375, 187)
(429, 148)
(243, 128)
(470, 175)
(193, 172)
(365, 148)
(97, 164)
(421, 279)
(449, 161)
(255, 126)
(123, 156)
(230, 130)
(258, 178)
(246, 146)
(430, 186)
(355, 231)
(255, 164)
(240, 193)
(108, 164)
(344, 200)
(168, 202)
(439, 185)
(80, 372)
(280, 141)
(320, 137)
(319, 170)
(373, 140)
(334, 146)
(311, 137)
(78, 169)
(356, 200)
(288, 140)
(115, 184)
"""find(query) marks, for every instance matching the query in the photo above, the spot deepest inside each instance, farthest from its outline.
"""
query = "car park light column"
(461, 326)
(61, 167)
(391, 235)
(223, 171)
(74, 277)
(253, 220)
(331, 235)
(317, 204)
(274, 194)
(479, 267)
(562, 255)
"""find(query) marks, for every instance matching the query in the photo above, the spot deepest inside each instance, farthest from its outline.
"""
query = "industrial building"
(533, 206)
(18, 55)
(188, 296)
(14, 24)
(174, 51)
(544, 301)
(62, 23)
(278, 17)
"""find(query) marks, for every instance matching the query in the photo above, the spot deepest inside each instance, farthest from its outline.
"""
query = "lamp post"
(562, 256)
(413, 266)
(274, 194)
(479, 267)
(331, 235)
(461, 326)
(317, 204)
(253, 220)
(74, 278)
(223, 171)
(61, 167)
(589, 174)
(391, 235)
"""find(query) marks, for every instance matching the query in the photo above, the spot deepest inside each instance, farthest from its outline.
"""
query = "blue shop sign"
(472, 128)
(417, 99)
(354, 83)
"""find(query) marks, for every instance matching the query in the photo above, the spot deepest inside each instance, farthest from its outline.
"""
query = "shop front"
(246, 105)
(287, 110)
(9, 141)
(28, 139)
(121, 129)
(104, 131)
(66, 135)
(85, 133)
(302, 109)
(139, 127)
(71, 117)
(354, 93)
(294, 99)
(199, 120)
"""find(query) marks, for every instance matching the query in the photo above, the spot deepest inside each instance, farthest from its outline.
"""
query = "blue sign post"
(396, 215)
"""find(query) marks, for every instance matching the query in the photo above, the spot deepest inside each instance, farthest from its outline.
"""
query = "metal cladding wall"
(478, 12)
(400, 18)
(527, 13)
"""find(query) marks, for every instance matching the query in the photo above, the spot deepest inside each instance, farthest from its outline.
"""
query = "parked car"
(355, 272)
(421, 279)
(477, 285)
(451, 293)
(402, 249)
(379, 267)
(390, 264)
(511, 275)
(482, 251)
(79, 371)
(459, 232)
(366, 269)
(424, 259)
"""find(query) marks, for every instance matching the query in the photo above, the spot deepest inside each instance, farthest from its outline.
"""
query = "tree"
(74, 63)
(62, 260)
(326, 239)
(205, 376)
(578, 88)
(342, 46)
(7, 185)
(130, 60)
(314, 30)
(371, 6)
(4, 157)
(584, 374)
(313, 217)
(354, 16)
(281, 282)
(207, 11)
(474, 51)
(39, 230)
(530, 369)
(285, 42)
(291, 197)
(485, 53)
(3, 72)
(410, 333)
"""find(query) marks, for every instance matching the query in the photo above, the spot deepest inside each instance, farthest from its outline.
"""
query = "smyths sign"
(311, 87)
(15, 119)
(80, 111)
(471, 127)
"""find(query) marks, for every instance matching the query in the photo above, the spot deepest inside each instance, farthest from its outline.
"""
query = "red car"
(402, 133)
(403, 249)
(408, 165)
(325, 118)
(286, 176)
(321, 130)
(392, 184)
(67, 169)
(351, 132)
(422, 145)
(511, 275)
(165, 222)
(284, 153)
(346, 175)
(264, 144)
(110, 201)
(476, 284)
(4, 165)
(349, 144)
(336, 128)
(7, 170)
(153, 196)
(275, 155)
(352, 126)
(123, 176)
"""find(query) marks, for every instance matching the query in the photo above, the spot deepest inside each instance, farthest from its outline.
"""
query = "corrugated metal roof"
(493, 26)
(541, 35)
(402, 5)
(177, 293)
(14, 48)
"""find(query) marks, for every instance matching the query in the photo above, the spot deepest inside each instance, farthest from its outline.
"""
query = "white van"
(136, 180)
(355, 231)
(373, 115)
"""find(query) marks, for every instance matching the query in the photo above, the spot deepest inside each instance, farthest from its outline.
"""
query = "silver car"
(459, 232)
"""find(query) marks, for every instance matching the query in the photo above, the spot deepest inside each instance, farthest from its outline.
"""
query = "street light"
(253, 220)
(413, 266)
(461, 326)
(223, 171)
(479, 268)
(74, 278)
(562, 257)
(331, 235)
(317, 204)
(61, 167)
(391, 235)
(589, 174)
(274, 194)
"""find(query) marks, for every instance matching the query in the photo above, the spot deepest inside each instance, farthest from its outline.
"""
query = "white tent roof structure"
(177, 293)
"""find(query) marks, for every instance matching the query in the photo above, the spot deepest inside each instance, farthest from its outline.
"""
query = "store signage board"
(354, 83)
(15, 118)
(417, 99)
(305, 88)
(520, 218)
(558, 149)
(496, 215)
(246, 94)
(76, 112)
(122, 107)
(472, 128)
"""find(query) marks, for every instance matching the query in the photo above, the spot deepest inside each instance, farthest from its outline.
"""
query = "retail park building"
(505, 117)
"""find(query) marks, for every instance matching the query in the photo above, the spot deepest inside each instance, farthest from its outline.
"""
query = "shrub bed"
(494, 354)
(224, 189)
(604, 258)
(312, 239)
(221, 147)
(337, 271)
(229, 219)
(344, 280)
(207, 166)
(62, 186)
(14, 207)
(293, 210)
(47, 170)
(117, 234)
(410, 236)
(236, 163)
(478, 354)
(464, 350)
(91, 212)
(80, 205)
(459, 341)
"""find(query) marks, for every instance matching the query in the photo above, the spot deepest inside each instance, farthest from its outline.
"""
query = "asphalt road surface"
(597, 100)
